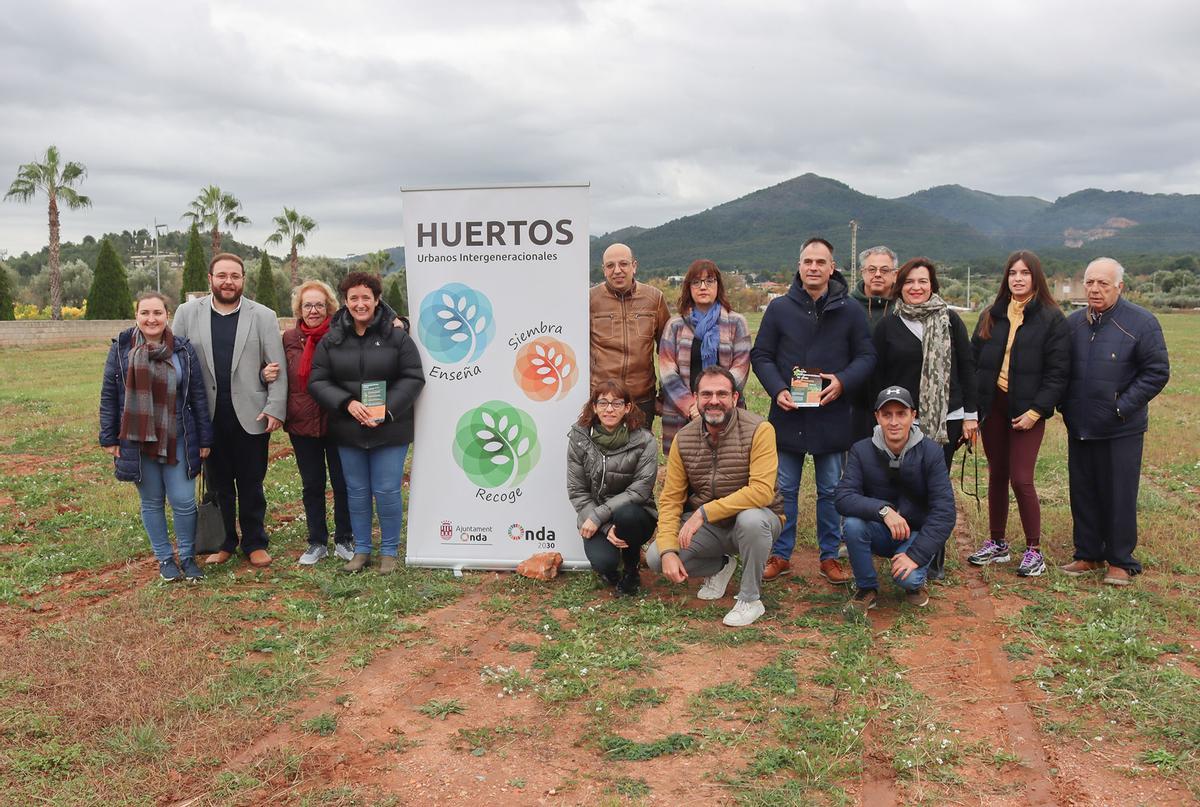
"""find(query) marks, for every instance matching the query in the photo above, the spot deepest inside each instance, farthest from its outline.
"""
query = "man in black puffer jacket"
(1118, 364)
(897, 501)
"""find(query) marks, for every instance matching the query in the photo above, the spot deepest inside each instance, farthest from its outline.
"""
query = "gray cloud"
(666, 108)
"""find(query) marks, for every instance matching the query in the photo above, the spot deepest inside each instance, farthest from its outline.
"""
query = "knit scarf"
(936, 351)
(705, 326)
(610, 441)
(312, 337)
(149, 416)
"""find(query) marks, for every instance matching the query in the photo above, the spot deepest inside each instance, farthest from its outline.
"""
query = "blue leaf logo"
(455, 323)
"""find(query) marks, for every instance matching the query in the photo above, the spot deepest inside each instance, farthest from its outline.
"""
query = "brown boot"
(387, 564)
(832, 571)
(1077, 568)
(1118, 577)
(776, 567)
(218, 557)
(357, 563)
(260, 558)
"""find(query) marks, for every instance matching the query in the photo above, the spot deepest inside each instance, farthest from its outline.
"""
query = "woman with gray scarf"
(924, 347)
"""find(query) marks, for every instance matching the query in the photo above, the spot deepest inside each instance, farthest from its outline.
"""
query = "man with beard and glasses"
(236, 339)
(718, 500)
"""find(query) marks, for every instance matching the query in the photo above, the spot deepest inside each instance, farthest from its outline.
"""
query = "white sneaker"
(313, 554)
(744, 613)
(344, 551)
(714, 587)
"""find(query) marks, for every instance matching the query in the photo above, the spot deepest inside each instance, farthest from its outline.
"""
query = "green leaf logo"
(496, 444)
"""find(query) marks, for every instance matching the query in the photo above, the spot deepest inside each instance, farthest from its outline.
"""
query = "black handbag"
(210, 527)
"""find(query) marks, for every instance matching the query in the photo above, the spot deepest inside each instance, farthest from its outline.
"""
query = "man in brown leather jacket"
(627, 321)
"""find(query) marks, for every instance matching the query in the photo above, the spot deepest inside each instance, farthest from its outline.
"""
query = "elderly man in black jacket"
(1118, 364)
(897, 501)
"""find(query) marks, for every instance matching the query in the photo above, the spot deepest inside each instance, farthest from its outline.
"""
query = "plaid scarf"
(149, 416)
(935, 362)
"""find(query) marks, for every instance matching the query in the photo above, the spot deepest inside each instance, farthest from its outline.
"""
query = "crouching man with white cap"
(897, 501)
(720, 484)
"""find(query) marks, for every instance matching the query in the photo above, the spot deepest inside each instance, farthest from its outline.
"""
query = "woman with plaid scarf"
(154, 421)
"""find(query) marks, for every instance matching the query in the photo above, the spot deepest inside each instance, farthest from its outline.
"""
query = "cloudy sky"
(666, 108)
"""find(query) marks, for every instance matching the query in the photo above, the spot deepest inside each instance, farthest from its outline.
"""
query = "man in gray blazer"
(235, 338)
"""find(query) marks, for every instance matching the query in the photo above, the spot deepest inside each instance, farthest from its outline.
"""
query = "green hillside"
(992, 215)
(763, 230)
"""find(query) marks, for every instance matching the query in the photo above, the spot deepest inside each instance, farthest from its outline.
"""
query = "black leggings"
(634, 527)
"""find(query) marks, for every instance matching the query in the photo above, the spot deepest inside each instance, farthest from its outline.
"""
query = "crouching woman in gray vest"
(612, 462)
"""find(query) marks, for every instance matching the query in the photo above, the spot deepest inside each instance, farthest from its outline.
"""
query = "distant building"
(1069, 290)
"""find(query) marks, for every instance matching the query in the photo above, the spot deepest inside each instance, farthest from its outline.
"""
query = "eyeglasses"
(877, 270)
(313, 306)
(605, 403)
(720, 395)
(703, 282)
(221, 278)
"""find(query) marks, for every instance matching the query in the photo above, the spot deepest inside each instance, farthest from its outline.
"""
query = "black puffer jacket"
(599, 481)
(344, 360)
(900, 359)
(1117, 366)
(1038, 365)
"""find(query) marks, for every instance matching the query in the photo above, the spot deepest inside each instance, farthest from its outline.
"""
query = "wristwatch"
(883, 511)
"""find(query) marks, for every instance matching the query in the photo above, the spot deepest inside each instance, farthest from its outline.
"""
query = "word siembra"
(492, 233)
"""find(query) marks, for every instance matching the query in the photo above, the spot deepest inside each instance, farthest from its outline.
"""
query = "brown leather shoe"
(776, 567)
(387, 564)
(218, 557)
(832, 571)
(260, 558)
(1118, 577)
(1081, 567)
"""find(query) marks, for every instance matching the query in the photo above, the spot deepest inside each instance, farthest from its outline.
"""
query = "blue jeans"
(867, 538)
(829, 523)
(374, 472)
(161, 482)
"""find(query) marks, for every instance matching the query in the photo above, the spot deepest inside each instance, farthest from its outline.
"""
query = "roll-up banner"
(497, 290)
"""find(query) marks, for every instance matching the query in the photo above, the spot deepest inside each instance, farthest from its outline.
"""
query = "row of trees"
(212, 208)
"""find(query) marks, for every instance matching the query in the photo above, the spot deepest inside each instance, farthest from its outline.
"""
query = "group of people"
(880, 385)
(209, 387)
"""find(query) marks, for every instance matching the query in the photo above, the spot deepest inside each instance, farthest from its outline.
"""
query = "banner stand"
(498, 300)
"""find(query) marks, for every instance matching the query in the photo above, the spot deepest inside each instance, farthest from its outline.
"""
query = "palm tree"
(46, 176)
(293, 228)
(212, 208)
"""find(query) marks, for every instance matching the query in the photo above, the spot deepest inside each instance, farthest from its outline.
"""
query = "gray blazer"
(257, 343)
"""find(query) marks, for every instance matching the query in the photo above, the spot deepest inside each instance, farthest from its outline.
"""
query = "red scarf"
(312, 337)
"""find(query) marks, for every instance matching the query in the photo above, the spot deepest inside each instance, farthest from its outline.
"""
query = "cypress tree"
(264, 294)
(195, 272)
(395, 294)
(109, 296)
(6, 299)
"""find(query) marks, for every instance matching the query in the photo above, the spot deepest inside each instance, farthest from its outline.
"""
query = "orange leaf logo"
(545, 369)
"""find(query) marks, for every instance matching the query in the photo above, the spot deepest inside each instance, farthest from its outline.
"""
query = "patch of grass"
(143, 741)
(441, 709)
(640, 696)
(509, 679)
(322, 725)
(620, 748)
(631, 788)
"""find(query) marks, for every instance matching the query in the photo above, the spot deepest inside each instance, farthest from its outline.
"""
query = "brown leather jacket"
(625, 333)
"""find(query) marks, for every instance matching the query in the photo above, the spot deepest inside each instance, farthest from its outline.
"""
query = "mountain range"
(762, 231)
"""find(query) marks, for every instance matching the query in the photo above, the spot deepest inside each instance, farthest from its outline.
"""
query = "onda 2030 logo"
(456, 323)
(496, 444)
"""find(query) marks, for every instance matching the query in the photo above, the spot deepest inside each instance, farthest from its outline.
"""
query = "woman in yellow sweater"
(1022, 360)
